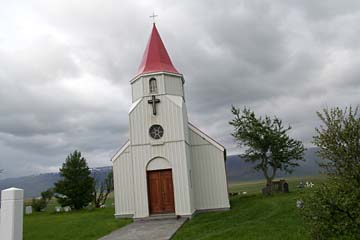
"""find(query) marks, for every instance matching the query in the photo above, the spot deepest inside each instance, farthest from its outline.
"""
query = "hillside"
(35, 184)
(237, 170)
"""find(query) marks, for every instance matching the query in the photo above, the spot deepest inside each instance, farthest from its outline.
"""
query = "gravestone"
(57, 209)
(266, 191)
(299, 203)
(28, 210)
(280, 186)
(67, 209)
(285, 187)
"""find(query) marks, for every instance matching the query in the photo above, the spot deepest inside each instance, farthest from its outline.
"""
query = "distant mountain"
(35, 184)
(237, 170)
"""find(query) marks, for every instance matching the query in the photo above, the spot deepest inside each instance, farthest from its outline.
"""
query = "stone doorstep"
(158, 217)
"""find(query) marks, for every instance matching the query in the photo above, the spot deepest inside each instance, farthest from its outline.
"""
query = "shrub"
(332, 209)
(38, 204)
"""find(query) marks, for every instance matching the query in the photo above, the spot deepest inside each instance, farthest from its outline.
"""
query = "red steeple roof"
(156, 58)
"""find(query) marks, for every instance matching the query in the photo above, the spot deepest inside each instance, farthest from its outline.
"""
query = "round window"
(156, 131)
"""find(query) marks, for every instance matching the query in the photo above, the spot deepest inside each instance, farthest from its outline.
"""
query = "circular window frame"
(159, 131)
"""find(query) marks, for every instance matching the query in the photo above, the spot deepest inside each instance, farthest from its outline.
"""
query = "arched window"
(153, 85)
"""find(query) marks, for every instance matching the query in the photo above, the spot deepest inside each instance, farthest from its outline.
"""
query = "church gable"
(168, 114)
(124, 149)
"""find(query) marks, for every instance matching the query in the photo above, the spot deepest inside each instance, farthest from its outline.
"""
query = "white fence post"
(12, 210)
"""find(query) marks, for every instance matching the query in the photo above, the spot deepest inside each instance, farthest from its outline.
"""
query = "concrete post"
(12, 209)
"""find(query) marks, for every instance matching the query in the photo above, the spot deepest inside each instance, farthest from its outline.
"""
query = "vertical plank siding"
(123, 183)
(137, 89)
(169, 115)
(173, 85)
(209, 176)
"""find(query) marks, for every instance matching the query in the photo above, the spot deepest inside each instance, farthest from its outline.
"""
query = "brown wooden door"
(160, 191)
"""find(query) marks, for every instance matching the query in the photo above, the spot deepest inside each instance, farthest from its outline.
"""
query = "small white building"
(168, 165)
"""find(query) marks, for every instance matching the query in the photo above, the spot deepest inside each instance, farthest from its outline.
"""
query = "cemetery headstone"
(28, 210)
(299, 203)
(57, 209)
(67, 209)
(285, 187)
(266, 191)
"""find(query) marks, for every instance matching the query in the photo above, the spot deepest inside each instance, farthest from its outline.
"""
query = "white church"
(168, 166)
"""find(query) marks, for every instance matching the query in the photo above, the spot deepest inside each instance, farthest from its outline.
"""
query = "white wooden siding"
(173, 85)
(137, 89)
(169, 115)
(208, 173)
(190, 176)
(158, 163)
(123, 183)
(166, 84)
(186, 123)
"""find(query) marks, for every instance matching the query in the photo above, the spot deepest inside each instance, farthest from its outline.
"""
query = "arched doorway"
(160, 186)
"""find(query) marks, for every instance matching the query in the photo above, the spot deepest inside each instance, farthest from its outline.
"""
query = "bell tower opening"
(153, 86)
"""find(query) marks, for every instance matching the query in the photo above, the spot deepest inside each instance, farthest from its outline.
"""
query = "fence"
(11, 214)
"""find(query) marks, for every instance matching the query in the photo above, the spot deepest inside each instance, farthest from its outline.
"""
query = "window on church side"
(153, 85)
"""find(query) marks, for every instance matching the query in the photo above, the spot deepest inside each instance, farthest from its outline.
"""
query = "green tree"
(47, 195)
(76, 184)
(42, 202)
(332, 209)
(38, 204)
(102, 192)
(267, 143)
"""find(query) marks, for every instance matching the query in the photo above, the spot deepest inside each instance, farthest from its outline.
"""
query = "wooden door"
(160, 191)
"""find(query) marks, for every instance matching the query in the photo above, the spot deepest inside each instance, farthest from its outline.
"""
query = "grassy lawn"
(252, 216)
(76, 225)
(254, 187)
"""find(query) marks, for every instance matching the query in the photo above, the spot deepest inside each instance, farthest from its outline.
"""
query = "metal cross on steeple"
(153, 102)
(153, 16)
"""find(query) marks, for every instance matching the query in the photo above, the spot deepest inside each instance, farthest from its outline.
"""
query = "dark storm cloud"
(65, 68)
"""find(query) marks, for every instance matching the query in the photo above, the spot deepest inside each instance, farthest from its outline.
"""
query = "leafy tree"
(102, 193)
(41, 203)
(267, 143)
(332, 209)
(38, 204)
(76, 184)
(47, 195)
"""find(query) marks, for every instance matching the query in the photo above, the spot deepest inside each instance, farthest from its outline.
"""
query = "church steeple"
(156, 58)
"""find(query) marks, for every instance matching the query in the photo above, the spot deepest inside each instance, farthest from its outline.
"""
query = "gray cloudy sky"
(65, 68)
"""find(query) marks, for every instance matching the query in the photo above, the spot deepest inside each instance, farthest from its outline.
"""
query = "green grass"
(75, 225)
(254, 187)
(252, 216)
